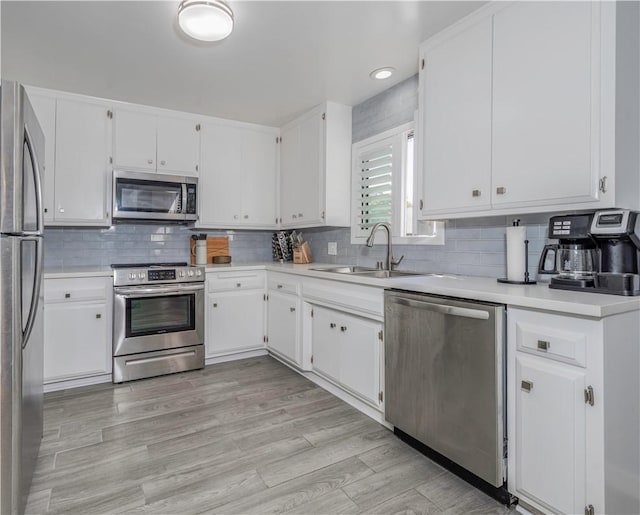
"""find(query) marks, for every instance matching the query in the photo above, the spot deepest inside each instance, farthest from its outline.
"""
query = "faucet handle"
(396, 263)
(379, 265)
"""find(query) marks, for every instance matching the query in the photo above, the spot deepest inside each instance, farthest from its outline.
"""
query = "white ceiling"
(282, 58)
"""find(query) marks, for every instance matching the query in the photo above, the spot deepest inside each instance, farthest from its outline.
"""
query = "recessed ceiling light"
(205, 20)
(382, 73)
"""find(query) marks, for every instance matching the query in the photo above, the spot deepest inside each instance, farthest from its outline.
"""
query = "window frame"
(397, 136)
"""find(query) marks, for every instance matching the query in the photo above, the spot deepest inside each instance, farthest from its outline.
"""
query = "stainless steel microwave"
(154, 197)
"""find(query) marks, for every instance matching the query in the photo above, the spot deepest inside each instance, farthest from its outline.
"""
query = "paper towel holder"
(526, 279)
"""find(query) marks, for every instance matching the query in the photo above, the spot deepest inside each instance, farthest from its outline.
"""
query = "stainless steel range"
(158, 319)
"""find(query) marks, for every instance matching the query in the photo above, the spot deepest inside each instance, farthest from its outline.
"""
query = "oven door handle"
(155, 292)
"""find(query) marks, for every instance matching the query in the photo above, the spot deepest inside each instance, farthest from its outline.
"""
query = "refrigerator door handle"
(38, 186)
(35, 297)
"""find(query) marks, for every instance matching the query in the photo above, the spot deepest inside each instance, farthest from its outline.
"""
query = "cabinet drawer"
(282, 283)
(77, 289)
(554, 337)
(253, 280)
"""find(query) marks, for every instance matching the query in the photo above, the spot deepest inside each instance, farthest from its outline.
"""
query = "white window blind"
(373, 188)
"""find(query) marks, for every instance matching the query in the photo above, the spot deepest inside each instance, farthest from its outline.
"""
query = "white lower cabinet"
(77, 322)
(573, 404)
(283, 322)
(346, 349)
(234, 317)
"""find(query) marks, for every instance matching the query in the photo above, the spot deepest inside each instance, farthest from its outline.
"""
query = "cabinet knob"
(292, 309)
(332, 325)
(294, 216)
(246, 217)
(543, 345)
(61, 209)
(501, 190)
(343, 328)
(526, 386)
(279, 286)
(46, 210)
(98, 315)
(235, 217)
(67, 295)
(300, 215)
(163, 163)
(476, 193)
(150, 161)
(215, 304)
(238, 285)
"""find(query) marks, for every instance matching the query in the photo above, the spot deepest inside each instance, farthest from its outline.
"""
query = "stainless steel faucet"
(390, 263)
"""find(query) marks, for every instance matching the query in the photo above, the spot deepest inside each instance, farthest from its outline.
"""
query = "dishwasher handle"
(442, 308)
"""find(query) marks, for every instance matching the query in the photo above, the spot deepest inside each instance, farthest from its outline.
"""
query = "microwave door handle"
(183, 204)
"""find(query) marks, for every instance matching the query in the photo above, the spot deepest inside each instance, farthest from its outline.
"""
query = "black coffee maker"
(616, 233)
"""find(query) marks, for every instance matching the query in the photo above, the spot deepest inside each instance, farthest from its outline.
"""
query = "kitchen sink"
(347, 269)
(367, 272)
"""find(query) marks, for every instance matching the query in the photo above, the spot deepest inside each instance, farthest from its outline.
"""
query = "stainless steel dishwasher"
(444, 379)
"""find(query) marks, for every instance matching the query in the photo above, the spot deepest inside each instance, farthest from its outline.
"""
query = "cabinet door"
(550, 434)
(455, 89)
(76, 341)
(283, 315)
(134, 140)
(545, 70)
(235, 322)
(83, 148)
(311, 170)
(259, 167)
(290, 183)
(45, 109)
(346, 348)
(220, 179)
(178, 146)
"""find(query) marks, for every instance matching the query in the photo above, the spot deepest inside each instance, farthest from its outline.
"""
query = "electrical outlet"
(332, 248)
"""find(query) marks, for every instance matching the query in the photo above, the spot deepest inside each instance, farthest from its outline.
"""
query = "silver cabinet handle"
(235, 217)
(332, 325)
(163, 163)
(215, 304)
(150, 161)
(46, 210)
(343, 328)
(98, 315)
(476, 193)
(294, 216)
(443, 308)
(67, 295)
(246, 217)
(501, 190)
(279, 286)
(238, 285)
(61, 210)
(292, 309)
(543, 345)
(300, 215)
(526, 386)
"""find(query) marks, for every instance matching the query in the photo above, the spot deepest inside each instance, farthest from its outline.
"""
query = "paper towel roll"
(516, 252)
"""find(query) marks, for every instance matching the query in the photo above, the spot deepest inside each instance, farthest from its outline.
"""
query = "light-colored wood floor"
(248, 436)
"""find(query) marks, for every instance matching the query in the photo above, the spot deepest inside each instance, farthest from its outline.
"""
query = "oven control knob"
(181, 273)
(198, 273)
(132, 276)
(141, 275)
(190, 273)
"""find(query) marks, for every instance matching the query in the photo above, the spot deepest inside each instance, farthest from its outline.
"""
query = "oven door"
(148, 196)
(151, 318)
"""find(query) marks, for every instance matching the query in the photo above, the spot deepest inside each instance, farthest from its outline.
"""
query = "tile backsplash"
(139, 243)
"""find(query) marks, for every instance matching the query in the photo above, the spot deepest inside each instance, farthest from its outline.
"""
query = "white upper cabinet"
(315, 168)
(178, 145)
(82, 169)
(455, 94)
(134, 140)
(238, 179)
(546, 105)
(44, 105)
(145, 140)
(521, 110)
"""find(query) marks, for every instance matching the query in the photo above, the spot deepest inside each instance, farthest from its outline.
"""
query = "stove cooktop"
(149, 265)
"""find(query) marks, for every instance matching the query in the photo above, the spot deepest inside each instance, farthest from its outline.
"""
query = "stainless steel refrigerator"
(21, 303)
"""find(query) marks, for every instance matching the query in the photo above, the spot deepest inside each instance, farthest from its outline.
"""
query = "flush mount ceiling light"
(382, 73)
(205, 20)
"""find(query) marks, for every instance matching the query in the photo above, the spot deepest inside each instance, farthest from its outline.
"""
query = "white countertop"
(538, 296)
(77, 271)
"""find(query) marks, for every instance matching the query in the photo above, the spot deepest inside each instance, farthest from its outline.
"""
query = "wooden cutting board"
(215, 247)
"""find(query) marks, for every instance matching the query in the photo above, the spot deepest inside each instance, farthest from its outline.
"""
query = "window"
(383, 187)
